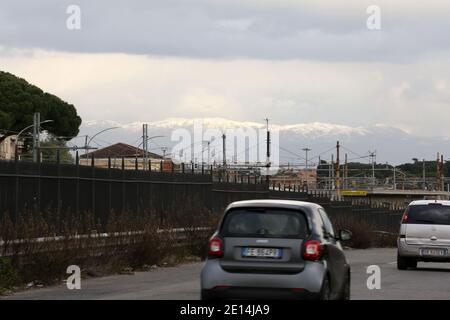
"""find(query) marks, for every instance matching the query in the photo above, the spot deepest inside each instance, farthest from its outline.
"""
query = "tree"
(19, 100)
(50, 147)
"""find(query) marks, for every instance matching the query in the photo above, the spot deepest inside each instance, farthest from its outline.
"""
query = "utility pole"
(317, 177)
(372, 156)
(330, 167)
(306, 166)
(337, 167)
(36, 135)
(86, 144)
(441, 167)
(209, 160)
(423, 175)
(440, 172)
(332, 185)
(437, 172)
(395, 183)
(224, 150)
(268, 144)
(203, 151)
(346, 173)
(207, 149)
(145, 144)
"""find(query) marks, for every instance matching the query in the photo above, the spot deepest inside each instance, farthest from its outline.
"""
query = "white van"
(424, 233)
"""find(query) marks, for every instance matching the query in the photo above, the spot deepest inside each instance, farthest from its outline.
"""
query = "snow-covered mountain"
(391, 144)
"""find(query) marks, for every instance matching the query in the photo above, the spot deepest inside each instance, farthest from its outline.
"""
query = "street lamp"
(30, 126)
(144, 164)
(149, 138)
(23, 130)
(88, 142)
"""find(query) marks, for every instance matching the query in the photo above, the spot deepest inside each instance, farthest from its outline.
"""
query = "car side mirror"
(345, 235)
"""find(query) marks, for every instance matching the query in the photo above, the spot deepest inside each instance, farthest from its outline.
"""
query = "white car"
(424, 233)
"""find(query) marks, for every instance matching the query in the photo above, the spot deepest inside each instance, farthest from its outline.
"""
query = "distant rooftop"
(120, 150)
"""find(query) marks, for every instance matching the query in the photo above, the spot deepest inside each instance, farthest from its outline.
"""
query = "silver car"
(424, 233)
(275, 249)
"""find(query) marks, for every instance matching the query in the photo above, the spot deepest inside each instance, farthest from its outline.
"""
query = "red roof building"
(120, 150)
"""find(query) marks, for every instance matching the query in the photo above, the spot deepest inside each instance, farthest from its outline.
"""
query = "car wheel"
(403, 263)
(206, 296)
(412, 264)
(325, 292)
(346, 292)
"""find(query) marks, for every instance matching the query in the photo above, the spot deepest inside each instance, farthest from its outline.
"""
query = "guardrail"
(100, 240)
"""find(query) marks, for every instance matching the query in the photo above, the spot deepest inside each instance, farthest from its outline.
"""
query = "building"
(8, 147)
(130, 154)
(290, 178)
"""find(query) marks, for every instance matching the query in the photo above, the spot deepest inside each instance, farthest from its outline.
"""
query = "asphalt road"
(429, 281)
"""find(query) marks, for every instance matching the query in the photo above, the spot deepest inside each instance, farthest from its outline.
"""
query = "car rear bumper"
(218, 282)
(413, 251)
(249, 293)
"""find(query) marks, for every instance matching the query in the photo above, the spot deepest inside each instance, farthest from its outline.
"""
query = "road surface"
(430, 281)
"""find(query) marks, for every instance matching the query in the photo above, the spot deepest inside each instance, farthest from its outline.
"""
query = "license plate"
(262, 253)
(433, 252)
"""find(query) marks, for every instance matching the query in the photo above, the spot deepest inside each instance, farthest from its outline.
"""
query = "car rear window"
(429, 214)
(270, 223)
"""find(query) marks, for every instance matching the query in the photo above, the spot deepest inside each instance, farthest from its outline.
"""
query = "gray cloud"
(230, 29)
(122, 87)
(289, 60)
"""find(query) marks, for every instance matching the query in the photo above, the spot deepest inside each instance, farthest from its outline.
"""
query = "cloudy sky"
(293, 61)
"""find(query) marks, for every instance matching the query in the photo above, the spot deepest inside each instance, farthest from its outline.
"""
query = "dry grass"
(134, 243)
(364, 235)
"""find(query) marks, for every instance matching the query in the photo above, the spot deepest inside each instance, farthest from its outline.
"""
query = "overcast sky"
(292, 61)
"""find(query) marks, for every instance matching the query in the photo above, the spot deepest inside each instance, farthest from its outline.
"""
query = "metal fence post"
(109, 186)
(77, 191)
(123, 185)
(93, 183)
(39, 164)
(58, 196)
(16, 191)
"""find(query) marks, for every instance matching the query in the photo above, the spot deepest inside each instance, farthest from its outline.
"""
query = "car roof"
(272, 203)
(425, 202)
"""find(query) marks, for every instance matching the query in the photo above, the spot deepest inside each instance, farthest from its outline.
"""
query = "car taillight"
(312, 250)
(215, 247)
(405, 217)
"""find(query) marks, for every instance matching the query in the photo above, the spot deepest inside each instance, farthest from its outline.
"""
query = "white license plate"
(262, 252)
(433, 252)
